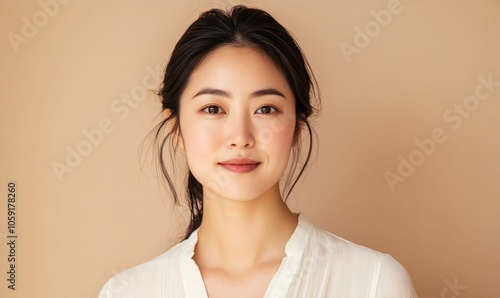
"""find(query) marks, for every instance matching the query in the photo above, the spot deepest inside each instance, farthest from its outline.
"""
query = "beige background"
(76, 69)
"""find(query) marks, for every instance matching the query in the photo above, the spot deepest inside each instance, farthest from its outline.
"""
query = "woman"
(237, 94)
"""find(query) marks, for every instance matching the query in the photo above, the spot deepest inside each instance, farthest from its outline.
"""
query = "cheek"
(194, 134)
(277, 136)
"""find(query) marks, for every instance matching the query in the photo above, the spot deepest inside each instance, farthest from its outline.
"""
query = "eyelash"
(204, 109)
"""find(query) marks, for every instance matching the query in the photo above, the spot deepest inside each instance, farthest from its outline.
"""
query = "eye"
(267, 110)
(212, 109)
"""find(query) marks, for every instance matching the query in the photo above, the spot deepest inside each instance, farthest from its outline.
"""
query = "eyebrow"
(258, 93)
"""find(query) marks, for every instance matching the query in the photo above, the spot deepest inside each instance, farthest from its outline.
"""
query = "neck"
(237, 235)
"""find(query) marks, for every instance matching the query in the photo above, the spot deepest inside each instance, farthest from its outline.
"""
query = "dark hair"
(244, 27)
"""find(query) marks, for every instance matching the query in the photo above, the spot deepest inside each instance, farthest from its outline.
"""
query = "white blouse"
(317, 264)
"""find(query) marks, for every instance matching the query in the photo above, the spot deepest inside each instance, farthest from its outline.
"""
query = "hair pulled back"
(243, 27)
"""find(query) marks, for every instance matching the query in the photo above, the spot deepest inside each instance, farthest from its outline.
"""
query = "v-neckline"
(193, 282)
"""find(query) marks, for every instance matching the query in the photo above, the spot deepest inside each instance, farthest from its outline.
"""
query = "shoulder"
(394, 280)
(161, 272)
(323, 243)
(355, 264)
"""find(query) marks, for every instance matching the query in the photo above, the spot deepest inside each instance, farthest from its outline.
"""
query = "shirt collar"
(294, 246)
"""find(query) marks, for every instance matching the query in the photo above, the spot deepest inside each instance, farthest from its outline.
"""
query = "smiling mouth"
(240, 165)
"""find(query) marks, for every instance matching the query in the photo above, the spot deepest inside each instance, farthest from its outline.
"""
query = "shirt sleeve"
(106, 290)
(394, 280)
(116, 287)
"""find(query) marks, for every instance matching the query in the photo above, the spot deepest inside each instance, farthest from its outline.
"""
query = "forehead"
(237, 68)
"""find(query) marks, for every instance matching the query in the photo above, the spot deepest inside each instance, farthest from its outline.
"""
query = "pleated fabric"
(317, 264)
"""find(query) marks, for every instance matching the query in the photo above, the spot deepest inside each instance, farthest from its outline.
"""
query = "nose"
(240, 133)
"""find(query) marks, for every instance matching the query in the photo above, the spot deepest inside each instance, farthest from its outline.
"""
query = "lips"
(240, 165)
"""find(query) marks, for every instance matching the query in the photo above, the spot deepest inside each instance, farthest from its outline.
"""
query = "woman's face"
(237, 120)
